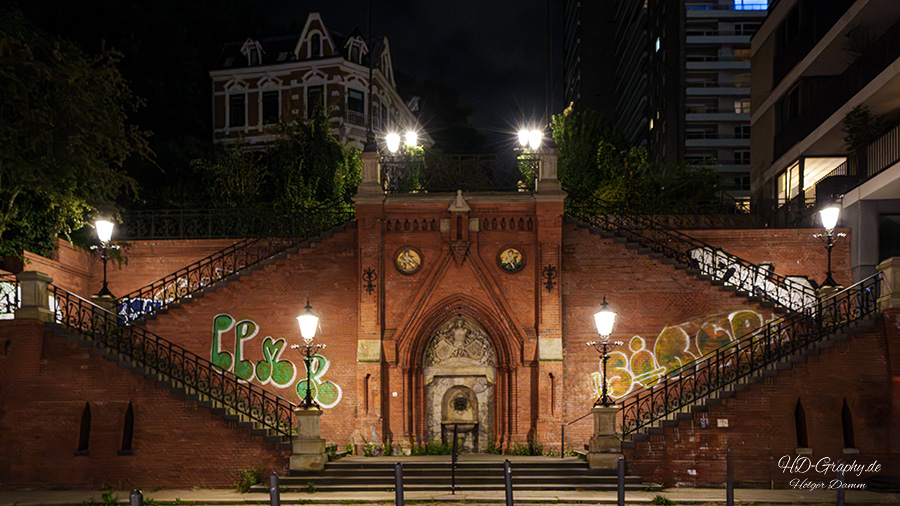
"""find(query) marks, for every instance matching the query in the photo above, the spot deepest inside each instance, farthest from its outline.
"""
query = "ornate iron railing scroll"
(752, 352)
(184, 368)
(184, 283)
(752, 279)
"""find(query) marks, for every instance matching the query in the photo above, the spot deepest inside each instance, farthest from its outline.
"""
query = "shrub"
(247, 478)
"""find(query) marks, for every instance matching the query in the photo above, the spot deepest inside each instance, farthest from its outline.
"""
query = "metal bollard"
(507, 474)
(620, 470)
(274, 493)
(840, 477)
(136, 498)
(562, 441)
(729, 479)
(398, 483)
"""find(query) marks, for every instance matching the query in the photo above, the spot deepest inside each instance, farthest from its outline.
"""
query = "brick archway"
(507, 346)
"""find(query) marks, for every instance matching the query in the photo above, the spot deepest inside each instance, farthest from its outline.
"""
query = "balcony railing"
(356, 118)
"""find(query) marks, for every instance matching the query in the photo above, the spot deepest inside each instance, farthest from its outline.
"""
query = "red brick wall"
(648, 296)
(792, 252)
(272, 298)
(46, 382)
(761, 424)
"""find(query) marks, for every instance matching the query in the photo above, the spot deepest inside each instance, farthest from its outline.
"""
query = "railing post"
(507, 481)
(35, 297)
(840, 488)
(620, 471)
(729, 479)
(562, 441)
(136, 498)
(274, 493)
(398, 483)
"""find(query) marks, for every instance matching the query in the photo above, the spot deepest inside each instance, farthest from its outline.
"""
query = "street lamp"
(104, 234)
(411, 138)
(308, 322)
(829, 217)
(604, 319)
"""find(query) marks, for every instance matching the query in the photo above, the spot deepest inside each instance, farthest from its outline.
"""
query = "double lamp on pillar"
(829, 217)
(605, 447)
(308, 446)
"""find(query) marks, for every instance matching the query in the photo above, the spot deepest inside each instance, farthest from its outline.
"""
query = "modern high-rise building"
(681, 76)
(826, 95)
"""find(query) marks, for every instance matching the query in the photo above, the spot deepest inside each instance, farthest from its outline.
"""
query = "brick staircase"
(474, 472)
(727, 272)
(171, 367)
(215, 271)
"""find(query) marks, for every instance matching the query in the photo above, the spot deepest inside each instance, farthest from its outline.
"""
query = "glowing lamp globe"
(104, 230)
(604, 319)
(534, 139)
(393, 142)
(523, 137)
(411, 138)
(308, 322)
(829, 217)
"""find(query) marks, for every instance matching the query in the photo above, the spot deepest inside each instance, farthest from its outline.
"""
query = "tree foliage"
(64, 135)
(305, 167)
(599, 170)
(861, 128)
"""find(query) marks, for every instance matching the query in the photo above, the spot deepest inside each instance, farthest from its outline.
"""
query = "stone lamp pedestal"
(605, 448)
(308, 447)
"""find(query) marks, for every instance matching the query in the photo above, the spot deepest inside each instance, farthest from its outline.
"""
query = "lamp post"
(104, 234)
(308, 322)
(829, 217)
(604, 319)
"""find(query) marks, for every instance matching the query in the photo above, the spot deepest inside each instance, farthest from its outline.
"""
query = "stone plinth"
(605, 447)
(35, 297)
(890, 287)
(107, 302)
(308, 447)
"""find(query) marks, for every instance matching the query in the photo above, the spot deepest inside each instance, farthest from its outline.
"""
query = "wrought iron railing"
(432, 172)
(259, 221)
(183, 368)
(9, 295)
(184, 283)
(733, 271)
(753, 352)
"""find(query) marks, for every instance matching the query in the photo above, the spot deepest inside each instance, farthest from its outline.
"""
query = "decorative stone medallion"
(511, 260)
(408, 260)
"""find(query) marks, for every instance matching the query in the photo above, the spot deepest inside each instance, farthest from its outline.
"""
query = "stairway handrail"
(725, 267)
(187, 281)
(164, 357)
(701, 377)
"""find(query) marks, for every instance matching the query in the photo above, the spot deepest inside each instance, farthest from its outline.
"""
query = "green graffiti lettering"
(221, 324)
(272, 368)
(244, 330)
(326, 393)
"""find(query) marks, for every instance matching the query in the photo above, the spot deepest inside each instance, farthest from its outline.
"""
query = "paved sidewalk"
(230, 497)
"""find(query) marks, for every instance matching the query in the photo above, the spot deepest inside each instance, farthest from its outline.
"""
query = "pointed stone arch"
(505, 339)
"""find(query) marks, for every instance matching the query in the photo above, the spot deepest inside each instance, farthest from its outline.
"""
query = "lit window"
(657, 44)
(751, 5)
(742, 106)
(236, 110)
(270, 108)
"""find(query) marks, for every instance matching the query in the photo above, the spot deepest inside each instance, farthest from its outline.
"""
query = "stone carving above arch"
(459, 347)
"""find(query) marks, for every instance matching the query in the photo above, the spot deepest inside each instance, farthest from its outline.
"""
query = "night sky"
(493, 53)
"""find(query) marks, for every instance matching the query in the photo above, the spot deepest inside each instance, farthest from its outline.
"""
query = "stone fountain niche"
(460, 371)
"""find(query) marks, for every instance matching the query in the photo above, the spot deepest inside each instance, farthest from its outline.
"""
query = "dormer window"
(354, 53)
(315, 46)
(253, 51)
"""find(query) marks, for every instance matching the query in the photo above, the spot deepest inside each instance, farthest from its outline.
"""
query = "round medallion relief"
(408, 260)
(511, 260)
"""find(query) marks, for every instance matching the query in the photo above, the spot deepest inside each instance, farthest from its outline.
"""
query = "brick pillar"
(35, 297)
(890, 287)
(548, 297)
(370, 289)
(889, 303)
